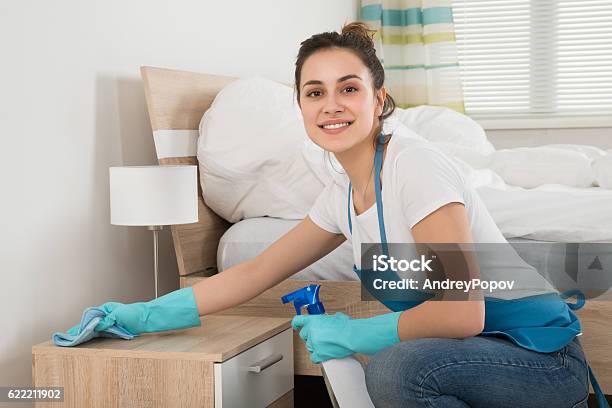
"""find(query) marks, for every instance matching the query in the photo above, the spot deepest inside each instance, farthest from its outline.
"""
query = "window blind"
(539, 58)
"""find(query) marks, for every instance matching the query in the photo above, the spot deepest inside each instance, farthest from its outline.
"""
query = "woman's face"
(338, 102)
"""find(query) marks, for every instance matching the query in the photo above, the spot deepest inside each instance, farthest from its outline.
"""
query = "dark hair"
(357, 37)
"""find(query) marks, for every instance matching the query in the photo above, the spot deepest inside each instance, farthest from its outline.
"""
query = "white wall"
(72, 105)
(508, 138)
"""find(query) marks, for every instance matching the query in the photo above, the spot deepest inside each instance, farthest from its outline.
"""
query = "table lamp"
(153, 196)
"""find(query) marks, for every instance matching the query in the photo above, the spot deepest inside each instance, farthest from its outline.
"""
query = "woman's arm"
(444, 318)
(303, 245)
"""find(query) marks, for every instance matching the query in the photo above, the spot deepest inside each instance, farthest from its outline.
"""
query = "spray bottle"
(344, 377)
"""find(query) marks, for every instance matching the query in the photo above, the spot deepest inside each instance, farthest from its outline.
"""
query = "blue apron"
(543, 323)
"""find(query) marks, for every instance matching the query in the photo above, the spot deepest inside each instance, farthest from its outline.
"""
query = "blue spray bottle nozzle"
(306, 296)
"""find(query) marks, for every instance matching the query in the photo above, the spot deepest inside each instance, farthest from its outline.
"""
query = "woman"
(430, 354)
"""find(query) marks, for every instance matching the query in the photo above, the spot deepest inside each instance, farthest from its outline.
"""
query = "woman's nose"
(332, 104)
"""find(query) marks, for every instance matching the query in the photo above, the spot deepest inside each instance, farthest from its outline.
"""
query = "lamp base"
(155, 229)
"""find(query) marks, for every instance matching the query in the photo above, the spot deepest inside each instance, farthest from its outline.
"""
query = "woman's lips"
(337, 130)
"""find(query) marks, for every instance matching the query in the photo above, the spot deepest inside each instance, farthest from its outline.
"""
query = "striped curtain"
(415, 41)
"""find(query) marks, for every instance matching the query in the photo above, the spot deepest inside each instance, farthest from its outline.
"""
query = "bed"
(176, 101)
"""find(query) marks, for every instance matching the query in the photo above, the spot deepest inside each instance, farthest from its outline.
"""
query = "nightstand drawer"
(258, 376)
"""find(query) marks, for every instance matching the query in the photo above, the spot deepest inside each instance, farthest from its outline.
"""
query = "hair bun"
(359, 29)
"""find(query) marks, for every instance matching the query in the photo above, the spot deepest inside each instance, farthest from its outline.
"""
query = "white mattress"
(248, 238)
(548, 213)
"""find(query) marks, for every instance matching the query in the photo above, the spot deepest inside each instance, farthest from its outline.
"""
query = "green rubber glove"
(174, 310)
(339, 335)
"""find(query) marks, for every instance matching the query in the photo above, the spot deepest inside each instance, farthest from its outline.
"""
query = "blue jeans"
(476, 372)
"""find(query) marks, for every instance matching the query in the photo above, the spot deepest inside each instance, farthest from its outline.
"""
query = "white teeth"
(336, 126)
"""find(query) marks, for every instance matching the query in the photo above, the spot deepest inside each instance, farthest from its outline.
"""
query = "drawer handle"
(265, 363)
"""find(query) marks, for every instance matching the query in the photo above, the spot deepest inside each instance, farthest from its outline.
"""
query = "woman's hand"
(131, 317)
(338, 336)
(174, 310)
(325, 335)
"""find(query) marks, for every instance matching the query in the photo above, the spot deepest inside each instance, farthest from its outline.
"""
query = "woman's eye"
(317, 93)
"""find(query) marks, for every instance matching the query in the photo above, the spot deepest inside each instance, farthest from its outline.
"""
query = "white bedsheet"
(551, 212)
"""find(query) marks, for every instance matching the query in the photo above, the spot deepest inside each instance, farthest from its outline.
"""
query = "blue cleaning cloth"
(85, 330)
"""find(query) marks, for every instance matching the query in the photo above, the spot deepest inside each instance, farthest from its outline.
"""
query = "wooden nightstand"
(229, 362)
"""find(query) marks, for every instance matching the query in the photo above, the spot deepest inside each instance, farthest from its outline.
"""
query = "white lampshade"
(153, 195)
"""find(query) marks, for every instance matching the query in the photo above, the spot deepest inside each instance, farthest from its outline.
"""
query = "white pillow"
(533, 166)
(250, 153)
(602, 169)
(472, 157)
(440, 124)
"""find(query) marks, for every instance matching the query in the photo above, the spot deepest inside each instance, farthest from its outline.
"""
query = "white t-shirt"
(417, 179)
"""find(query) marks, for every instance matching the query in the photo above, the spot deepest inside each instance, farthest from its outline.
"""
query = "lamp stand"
(155, 229)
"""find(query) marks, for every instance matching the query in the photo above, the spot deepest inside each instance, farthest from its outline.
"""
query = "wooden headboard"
(176, 101)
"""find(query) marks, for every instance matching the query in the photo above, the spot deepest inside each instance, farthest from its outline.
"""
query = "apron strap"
(580, 298)
(580, 301)
(379, 206)
(601, 398)
(377, 188)
(348, 209)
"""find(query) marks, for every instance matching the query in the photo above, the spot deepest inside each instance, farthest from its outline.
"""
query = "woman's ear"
(381, 94)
